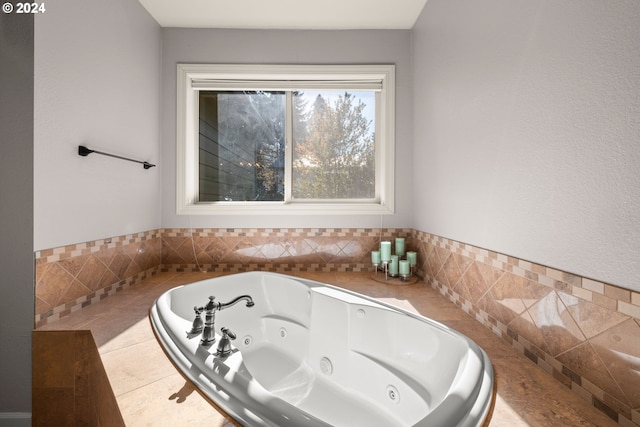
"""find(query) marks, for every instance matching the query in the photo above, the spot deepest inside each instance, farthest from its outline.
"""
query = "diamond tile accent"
(558, 328)
(591, 318)
(619, 351)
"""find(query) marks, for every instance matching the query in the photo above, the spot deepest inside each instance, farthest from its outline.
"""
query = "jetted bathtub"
(311, 354)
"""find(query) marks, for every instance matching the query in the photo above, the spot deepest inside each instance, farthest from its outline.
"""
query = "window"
(285, 139)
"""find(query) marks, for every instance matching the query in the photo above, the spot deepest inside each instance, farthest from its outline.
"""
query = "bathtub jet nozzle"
(208, 328)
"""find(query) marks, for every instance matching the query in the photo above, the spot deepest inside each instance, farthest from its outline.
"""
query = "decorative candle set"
(393, 264)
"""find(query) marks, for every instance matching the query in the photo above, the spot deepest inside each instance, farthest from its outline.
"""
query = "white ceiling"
(286, 14)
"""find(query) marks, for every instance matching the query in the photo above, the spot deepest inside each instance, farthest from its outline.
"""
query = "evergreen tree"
(335, 159)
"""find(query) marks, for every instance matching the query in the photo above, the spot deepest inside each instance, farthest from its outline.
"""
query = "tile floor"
(151, 392)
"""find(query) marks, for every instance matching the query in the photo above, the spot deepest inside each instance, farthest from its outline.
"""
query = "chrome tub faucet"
(207, 328)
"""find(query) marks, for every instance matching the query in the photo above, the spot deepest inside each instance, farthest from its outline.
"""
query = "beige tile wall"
(314, 249)
(583, 332)
(71, 277)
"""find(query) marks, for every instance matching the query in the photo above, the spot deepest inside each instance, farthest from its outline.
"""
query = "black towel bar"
(84, 151)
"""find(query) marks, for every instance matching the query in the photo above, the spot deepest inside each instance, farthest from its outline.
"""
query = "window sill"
(279, 208)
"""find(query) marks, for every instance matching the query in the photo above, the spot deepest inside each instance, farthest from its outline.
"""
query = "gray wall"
(288, 47)
(527, 131)
(16, 212)
(97, 83)
(64, 81)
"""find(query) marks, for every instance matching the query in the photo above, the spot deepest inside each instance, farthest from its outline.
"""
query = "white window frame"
(193, 77)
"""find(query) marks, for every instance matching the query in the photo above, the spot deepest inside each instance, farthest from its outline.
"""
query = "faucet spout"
(247, 298)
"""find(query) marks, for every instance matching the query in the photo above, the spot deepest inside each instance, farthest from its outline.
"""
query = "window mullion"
(379, 150)
(288, 144)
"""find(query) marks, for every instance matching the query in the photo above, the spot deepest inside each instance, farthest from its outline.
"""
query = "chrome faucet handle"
(227, 333)
(224, 346)
(197, 325)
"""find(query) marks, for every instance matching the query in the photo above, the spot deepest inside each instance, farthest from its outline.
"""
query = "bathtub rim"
(478, 414)
(182, 364)
(183, 372)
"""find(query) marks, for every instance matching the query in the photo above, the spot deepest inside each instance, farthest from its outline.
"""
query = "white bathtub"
(311, 354)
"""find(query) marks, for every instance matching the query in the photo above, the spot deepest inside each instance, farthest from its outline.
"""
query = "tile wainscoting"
(273, 249)
(584, 333)
(71, 277)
